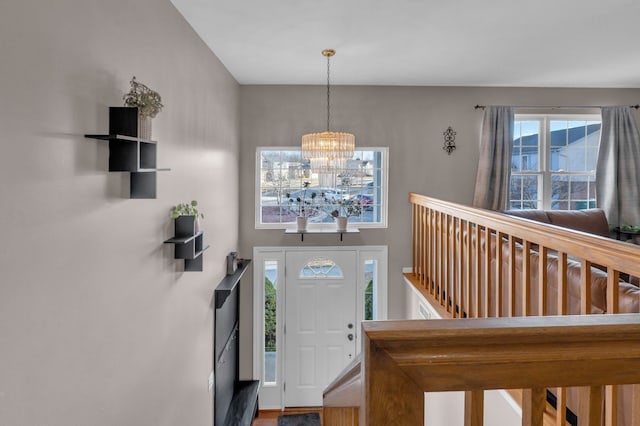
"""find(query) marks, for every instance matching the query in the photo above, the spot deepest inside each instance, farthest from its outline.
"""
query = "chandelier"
(328, 151)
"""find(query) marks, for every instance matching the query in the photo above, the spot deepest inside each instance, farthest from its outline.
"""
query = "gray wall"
(98, 325)
(410, 120)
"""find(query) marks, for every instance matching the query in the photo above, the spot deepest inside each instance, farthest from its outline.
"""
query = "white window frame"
(384, 192)
(544, 173)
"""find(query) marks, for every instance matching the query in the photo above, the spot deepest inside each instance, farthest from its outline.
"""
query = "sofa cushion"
(593, 221)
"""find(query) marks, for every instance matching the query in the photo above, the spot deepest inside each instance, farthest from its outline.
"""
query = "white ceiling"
(554, 43)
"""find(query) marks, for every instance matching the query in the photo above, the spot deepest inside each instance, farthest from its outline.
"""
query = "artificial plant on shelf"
(188, 209)
(148, 102)
(346, 208)
(305, 206)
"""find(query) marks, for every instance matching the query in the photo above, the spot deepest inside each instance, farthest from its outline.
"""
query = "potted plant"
(148, 102)
(346, 209)
(305, 206)
(188, 211)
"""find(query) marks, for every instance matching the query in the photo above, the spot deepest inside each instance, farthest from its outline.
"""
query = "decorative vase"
(301, 223)
(144, 127)
(341, 223)
(196, 226)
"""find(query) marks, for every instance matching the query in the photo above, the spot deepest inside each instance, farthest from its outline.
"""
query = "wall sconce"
(449, 140)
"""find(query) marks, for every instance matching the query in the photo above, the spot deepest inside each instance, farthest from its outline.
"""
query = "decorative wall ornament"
(449, 140)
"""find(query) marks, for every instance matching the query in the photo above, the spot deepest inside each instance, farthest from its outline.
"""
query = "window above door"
(281, 174)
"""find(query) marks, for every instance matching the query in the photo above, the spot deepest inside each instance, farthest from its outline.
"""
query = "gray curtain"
(618, 168)
(494, 166)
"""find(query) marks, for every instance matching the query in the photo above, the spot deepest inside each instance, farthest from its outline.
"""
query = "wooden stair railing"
(474, 263)
(403, 359)
(454, 256)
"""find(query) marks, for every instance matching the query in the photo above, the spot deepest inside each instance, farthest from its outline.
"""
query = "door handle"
(350, 336)
(349, 325)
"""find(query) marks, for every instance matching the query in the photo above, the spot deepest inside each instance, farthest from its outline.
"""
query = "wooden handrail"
(346, 389)
(403, 359)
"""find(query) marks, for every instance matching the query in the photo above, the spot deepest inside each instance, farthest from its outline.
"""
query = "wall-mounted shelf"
(188, 244)
(129, 153)
(322, 231)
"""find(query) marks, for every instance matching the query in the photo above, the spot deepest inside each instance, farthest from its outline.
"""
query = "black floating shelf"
(130, 153)
(116, 137)
(229, 283)
(182, 240)
(322, 231)
(188, 244)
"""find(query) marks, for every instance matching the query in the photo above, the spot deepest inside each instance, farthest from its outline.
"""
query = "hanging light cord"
(328, 95)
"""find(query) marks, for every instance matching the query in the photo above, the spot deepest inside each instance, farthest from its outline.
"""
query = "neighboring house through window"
(554, 161)
(280, 177)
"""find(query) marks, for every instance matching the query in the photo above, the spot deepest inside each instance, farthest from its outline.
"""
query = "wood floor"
(270, 417)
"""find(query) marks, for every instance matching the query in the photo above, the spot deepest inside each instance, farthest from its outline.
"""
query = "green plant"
(186, 209)
(148, 102)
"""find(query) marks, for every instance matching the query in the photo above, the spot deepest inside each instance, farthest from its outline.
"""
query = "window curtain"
(618, 167)
(494, 166)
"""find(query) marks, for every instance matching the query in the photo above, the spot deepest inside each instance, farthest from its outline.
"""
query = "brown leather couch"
(593, 221)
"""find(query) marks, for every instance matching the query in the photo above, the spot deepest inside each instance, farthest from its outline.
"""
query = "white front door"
(320, 335)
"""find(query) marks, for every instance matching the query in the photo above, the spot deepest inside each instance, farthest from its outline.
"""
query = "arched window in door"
(321, 267)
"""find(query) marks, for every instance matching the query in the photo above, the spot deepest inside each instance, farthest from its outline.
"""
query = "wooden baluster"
(454, 267)
(499, 276)
(478, 274)
(590, 406)
(533, 405)
(562, 297)
(611, 392)
(613, 279)
(414, 240)
(635, 406)
(585, 287)
(526, 278)
(440, 249)
(432, 250)
(474, 408)
(438, 283)
(469, 260)
(542, 280)
(425, 250)
(460, 281)
(487, 272)
(423, 271)
(446, 294)
(512, 277)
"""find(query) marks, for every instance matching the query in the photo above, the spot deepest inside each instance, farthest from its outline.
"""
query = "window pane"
(575, 192)
(357, 192)
(370, 268)
(524, 192)
(574, 145)
(526, 142)
(270, 323)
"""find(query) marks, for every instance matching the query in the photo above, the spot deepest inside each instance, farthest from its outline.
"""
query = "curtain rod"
(637, 106)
